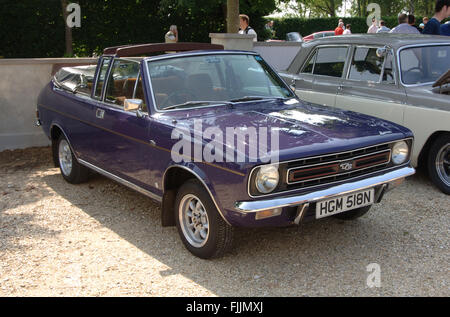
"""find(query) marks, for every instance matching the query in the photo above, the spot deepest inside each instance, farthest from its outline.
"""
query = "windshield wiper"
(255, 98)
(195, 103)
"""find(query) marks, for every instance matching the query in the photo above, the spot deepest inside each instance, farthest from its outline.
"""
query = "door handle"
(100, 113)
(340, 88)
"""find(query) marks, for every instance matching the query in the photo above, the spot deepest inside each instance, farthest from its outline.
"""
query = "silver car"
(398, 77)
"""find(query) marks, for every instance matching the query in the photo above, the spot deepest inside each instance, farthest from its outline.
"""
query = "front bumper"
(382, 183)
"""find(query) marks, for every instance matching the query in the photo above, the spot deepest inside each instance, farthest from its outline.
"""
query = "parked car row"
(341, 145)
(400, 78)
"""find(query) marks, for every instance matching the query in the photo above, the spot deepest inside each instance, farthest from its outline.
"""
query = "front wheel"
(72, 171)
(439, 163)
(202, 229)
(353, 214)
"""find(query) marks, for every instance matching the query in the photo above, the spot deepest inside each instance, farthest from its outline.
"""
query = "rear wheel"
(71, 170)
(353, 214)
(439, 163)
(202, 229)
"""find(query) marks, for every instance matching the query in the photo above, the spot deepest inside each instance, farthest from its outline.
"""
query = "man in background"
(383, 28)
(340, 29)
(172, 35)
(412, 22)
(373, 28)
(442, 11)
(270, 30)
(244, 22)
(403, 26)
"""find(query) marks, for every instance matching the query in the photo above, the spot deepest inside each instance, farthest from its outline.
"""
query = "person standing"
(340, 29)
(348, 30)
(244, 22)
(403, 27)
(270, 30)
(442, 11)
(412, 22)
(373, 28)
(172, 35)
(383, 28)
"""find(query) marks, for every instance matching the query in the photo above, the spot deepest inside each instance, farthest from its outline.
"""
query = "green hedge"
(35, 28)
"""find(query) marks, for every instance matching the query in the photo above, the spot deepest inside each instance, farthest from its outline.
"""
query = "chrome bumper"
(292, 201)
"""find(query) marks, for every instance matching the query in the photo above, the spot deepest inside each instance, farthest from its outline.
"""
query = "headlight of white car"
(267, 179)
(400, 152)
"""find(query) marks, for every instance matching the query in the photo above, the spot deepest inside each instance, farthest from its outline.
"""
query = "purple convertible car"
(219, 139)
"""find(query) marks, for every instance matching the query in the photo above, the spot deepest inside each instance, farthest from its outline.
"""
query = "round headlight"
(400, 152)
(267, 179)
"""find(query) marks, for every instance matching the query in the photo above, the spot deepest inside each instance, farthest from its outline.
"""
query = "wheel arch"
(423, 156)
(55, 132)
(175, 176)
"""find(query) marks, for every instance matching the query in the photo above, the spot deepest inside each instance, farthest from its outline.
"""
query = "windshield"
(420, 65)
(213, 79)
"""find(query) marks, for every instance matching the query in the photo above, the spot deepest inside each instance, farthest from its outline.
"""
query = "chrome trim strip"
(400, 64)
(121, 181)
(312, 157)
(343, 189)
(201, 180)
(337, 162)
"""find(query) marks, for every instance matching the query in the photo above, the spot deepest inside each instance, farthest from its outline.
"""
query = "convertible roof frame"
(142, 49)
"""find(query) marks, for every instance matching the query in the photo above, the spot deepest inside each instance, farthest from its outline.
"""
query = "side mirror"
(292, 84)
(132, 104)
(381, 52)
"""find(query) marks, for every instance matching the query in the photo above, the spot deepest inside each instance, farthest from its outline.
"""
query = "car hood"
(304, 129)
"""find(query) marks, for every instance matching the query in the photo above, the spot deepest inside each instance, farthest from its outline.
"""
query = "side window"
(366, 65)
(101, 78)
(330, 61)
(308, 68)
(121, 81)
(389, 71)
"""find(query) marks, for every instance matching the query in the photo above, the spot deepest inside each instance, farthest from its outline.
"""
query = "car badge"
(346, 166)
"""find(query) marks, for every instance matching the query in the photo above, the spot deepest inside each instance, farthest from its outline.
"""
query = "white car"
(402, 78)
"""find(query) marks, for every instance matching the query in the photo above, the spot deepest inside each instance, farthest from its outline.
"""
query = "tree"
(321, 8)
(69, 39)
(232, 16)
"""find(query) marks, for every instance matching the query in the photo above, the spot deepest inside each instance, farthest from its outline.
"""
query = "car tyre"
(202, 229)
(72, 171)
(439, 163)
(353, 214)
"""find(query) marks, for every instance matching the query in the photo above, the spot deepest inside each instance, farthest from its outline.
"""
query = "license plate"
(332, 206)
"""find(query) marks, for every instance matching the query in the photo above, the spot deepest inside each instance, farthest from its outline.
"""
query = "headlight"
(267, 179)
(400, 152)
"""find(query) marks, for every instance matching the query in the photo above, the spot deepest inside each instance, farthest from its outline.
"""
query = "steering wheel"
(177, 97)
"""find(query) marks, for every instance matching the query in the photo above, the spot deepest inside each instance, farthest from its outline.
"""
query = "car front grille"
(337, 167)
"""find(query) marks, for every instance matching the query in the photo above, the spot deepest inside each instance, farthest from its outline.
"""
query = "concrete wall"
(21, 80)
(278, 54)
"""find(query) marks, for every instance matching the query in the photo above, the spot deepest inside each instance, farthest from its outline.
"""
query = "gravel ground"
(102, 239)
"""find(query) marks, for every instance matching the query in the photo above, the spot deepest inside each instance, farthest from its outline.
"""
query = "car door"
(122, 141)
(321, 75)
(371, 86)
